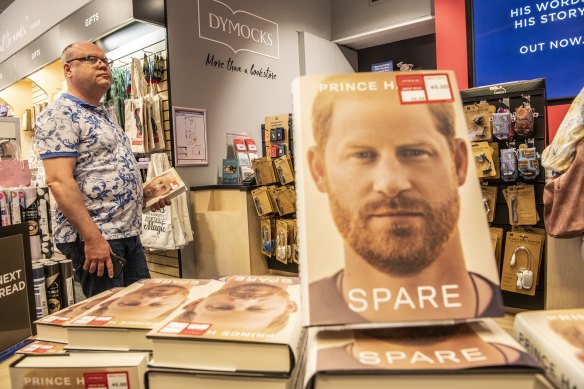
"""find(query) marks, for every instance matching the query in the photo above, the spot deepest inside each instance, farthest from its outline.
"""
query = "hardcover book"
(41, 347)
(384, 169)
(477, 355)
(230, 175)
(164, 186)
(191, 379)
(51, 328)
(247, 324)
(556, 339)
(251, 146)
(240, 144)
(80, 371)
(122, 321)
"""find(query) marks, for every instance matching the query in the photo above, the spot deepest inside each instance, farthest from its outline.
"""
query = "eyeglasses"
(92, 60)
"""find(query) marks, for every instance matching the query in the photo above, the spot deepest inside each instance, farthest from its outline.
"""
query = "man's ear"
(315, 160)
(292, 307)
(67, 70)
(460, 160)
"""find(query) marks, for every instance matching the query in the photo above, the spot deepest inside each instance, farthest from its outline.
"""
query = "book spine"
(554, 360)
(67, 293)
(4, 210)
(40, 290)
(17, 203)
(43, 205)
(53, 282)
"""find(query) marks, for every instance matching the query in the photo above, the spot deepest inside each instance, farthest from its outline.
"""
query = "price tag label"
(420, 88)
(118, 380)
(106, 380)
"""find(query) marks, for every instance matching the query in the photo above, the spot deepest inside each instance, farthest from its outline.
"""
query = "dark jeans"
(129, 248)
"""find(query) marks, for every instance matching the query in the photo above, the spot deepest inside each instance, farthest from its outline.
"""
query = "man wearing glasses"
(92, 174)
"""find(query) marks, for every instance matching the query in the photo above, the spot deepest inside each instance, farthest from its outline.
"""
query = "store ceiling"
(4, 4)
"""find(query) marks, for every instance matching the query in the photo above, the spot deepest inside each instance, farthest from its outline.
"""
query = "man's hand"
(97, 257)
(160, 204)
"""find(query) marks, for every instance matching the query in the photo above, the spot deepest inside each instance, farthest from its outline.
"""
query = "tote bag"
(170, 227)
(563, 201)
(157, 226)
(134, 110)
(156, 119)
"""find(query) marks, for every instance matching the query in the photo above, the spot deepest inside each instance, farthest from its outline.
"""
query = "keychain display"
(502, 125)
(509, 170)
(267, 231)
(478, 121)
(527, 162)
(483, 159)
(516, 116)
(489, 201)
(520, 200)
(524, 118)
(521, 263)
(524, 273)
(494, 146)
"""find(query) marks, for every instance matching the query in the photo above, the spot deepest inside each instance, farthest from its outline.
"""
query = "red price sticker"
(109, 380)
(420, 88)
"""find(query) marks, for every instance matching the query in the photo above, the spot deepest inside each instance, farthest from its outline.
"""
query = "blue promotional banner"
(522, 40)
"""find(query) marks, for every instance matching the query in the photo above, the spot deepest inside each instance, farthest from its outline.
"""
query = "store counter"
(226, 232)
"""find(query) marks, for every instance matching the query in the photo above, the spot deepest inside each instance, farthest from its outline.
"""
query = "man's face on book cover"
(392, 181)
(160, 187)
(244, 306)
(147, 303)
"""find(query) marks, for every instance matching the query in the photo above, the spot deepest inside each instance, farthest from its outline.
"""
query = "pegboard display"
(278, 231)
(507, 116)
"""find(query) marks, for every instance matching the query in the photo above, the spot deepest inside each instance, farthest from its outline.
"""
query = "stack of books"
(398, 284)
(101, 341)
(244, 332)
(556, 339)
(122, 321)
(200, 333)
(80, 371)
(52, 328)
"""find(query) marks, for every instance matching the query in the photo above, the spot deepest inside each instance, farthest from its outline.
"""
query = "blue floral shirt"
(106, 170)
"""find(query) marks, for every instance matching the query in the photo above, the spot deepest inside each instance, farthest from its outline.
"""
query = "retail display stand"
(241, 150)
(510, 97)
(275, 196)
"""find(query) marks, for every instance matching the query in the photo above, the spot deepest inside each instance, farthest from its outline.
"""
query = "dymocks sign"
(237, 29)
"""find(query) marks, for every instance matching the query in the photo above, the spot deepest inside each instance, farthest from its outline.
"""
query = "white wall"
(236, 101)
(321, 56)
(25, 20)
(354, 17)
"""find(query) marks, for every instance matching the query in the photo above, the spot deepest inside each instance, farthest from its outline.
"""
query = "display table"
(505, 322)
(5, 371)
(227, 237)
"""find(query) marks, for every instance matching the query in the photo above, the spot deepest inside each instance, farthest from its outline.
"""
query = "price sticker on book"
(37, 348)
(438, 88)
(173, 327)
(419, 88)
(118, 380)
(102, 380)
